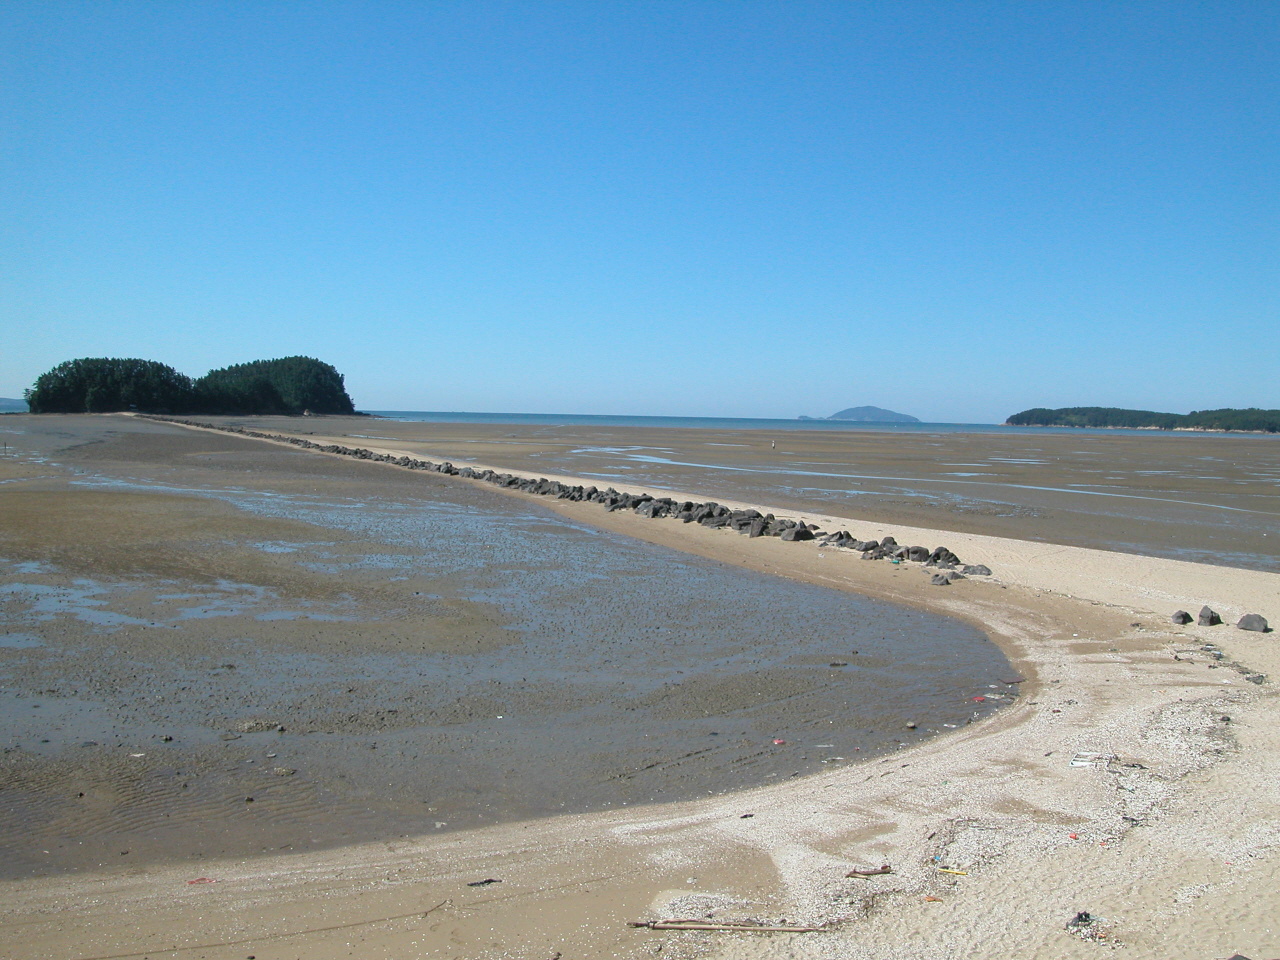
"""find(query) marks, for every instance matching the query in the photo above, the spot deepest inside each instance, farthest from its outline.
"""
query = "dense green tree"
(291, 385)
(1267, 421)
(287, 385)
(105, 385)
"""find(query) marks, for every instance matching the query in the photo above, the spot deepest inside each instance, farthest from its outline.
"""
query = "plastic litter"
(1092, 759)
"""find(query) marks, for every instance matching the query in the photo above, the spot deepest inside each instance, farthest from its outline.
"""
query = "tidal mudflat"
(216, 647)
(1132, 779)
(1195, 497)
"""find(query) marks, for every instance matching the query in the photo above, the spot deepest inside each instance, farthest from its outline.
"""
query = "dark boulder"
(797, 533)
(1208, 617)
(1253, 621)
(940, 580)
(976, 570)
(919, 554)
(757, 527)
(1181, 617)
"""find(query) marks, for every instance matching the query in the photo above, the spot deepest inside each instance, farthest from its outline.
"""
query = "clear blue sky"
(956, 210)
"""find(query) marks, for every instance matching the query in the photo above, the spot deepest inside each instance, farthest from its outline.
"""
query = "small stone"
(1254, 622)
(1181, 617)
(283, 771)
(911, 725)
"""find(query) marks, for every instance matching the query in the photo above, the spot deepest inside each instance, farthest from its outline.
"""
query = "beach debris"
(283, 771)
(746, 816)
(1092, 759)
(1208, 617)
(865, 873)
(932, 899)
(911, 724)
(1255, 622)
(1181, 617)
(483, 883)
(953, 870)
(734, 925)
(1088, 927)
(777, 741)
(203, 880)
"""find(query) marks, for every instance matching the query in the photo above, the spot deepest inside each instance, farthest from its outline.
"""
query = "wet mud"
(212, 646)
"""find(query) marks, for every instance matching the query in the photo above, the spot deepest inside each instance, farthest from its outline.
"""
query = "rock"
(757, 527)
(918, 554)
(797, 533)
(1181, 617)
(283, 771)
(1208, 617)
(976, 570)
(940, 580)
(1252, 621)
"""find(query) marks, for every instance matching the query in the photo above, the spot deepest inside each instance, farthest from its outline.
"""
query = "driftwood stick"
(863, 874)
(710, 925)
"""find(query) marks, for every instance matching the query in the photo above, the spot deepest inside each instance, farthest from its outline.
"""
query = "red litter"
(779, 742)
(202, 880)
(978, 699)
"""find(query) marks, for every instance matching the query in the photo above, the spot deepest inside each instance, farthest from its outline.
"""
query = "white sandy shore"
(1175, 842)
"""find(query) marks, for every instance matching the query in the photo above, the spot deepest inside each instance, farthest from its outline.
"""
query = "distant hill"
(1251, 419)
(12, 406)
(873, 415)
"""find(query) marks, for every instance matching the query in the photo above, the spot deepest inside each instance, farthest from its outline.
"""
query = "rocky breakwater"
(941, 563)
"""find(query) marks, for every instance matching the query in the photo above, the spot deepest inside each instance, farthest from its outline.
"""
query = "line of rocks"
(1209, 618)
(715, 516)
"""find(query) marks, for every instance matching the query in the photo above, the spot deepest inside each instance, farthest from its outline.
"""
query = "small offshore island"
(1251, 420)
(287, 386)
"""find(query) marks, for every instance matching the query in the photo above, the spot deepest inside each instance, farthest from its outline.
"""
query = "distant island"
(8, 405)
(868, 415)
(290, 385)
(1251, 419)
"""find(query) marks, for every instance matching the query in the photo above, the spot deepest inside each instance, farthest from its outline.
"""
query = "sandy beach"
(1134, 778)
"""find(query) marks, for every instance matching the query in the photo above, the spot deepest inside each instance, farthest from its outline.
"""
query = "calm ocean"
(733, 423)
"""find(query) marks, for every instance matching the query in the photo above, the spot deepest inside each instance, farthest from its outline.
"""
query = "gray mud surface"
(213, 646)
(1202, 498)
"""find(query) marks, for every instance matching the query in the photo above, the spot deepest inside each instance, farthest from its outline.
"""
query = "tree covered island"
(290, 385)
(1251, 419)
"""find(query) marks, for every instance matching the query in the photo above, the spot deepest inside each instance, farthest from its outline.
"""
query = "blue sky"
(956, 210)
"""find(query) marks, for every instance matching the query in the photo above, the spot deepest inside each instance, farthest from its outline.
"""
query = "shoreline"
(1037, 839)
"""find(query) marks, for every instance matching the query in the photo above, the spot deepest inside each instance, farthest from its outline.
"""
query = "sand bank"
(1167, 825)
